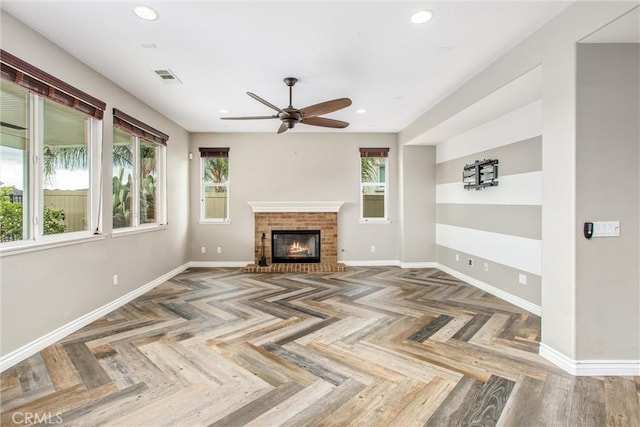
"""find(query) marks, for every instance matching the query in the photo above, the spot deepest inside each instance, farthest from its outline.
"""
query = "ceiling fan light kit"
(290, 116)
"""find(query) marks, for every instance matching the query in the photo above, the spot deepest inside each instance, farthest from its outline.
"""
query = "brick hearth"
(296, 268)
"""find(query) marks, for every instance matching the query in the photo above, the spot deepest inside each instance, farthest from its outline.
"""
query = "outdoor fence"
(74, 205)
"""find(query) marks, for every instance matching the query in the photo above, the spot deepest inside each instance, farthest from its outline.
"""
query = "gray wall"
(294, 167)
(417, 204)
(608, 188)
(46, 289)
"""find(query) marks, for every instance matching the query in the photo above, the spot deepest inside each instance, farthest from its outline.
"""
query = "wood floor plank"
(490, 402)
(360, 404)
(422, 406)
(431, 328)
(588, 402)
(86, 365)
(621, 409)
(523, 404)
(452, 410)
(283, 411)
(323, 409)
(369, 346)
(555, 404)
(257, 407)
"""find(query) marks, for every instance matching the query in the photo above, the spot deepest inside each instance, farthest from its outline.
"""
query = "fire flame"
(297, 248)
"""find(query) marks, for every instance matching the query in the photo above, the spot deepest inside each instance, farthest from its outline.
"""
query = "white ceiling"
(367, 51)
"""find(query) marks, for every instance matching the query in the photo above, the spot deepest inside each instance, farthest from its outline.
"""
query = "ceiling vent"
(168, 76)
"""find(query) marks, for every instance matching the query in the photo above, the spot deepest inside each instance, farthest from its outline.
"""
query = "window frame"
(380, 185)
(138, 132)
(41, 86)
(207, 153)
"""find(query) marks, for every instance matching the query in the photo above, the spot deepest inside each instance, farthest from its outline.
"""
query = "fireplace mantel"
(259, 207)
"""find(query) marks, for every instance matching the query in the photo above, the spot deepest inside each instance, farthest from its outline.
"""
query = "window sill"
(122, 232)
(214, 222)
(40, 245)
(375, 221)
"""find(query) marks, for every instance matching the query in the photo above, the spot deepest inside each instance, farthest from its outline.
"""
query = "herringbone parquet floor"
(365, 347)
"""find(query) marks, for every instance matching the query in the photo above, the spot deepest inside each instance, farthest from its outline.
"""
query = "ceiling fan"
(290, 116)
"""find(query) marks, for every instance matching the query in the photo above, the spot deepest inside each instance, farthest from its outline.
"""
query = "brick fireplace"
(321, 216)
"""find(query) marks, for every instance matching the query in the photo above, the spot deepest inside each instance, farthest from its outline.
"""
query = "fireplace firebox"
(290, 246)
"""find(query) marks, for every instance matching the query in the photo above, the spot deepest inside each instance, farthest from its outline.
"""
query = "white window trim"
(52, 241)
(161, 192)
(33, 237)
(227, 185)
(385, 185)
(161, 214)
(145, 228)
(95, 178)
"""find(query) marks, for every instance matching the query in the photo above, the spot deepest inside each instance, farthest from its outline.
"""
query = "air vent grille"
(168, 76)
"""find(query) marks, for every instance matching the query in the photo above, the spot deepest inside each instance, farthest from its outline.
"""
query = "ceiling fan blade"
(325, 122)
(325, 107)
(267, 103)
(249, 118)
(283, 128)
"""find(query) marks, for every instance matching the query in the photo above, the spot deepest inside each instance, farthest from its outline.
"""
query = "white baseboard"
(418, 264)
(389, 262)
(16, 356)
(218, 264)
(371, 263)
(517, 301)
(624, 368)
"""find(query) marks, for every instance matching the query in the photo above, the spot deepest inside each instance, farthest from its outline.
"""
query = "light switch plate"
(606, 228)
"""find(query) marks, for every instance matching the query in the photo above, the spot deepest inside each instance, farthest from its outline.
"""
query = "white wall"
(294, 167)
(46, 289)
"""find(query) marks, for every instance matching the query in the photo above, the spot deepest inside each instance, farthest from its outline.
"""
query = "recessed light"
(223, 111)
(421, 16)
(361, 110)
(145, 12)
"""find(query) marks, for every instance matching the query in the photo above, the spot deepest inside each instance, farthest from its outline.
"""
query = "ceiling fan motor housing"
(290, 81)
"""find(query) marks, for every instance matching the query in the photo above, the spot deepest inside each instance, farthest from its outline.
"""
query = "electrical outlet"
(219, 249)
(373, 248)
(470, 262)
(457, 257)
(486, 266)
(203, 250)
(115, 279)
(522, 279)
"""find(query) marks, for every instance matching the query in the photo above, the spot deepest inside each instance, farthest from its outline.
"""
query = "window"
(138, 183)
(373, 184)
(14, 224)
(50, 150)
(214, 192)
